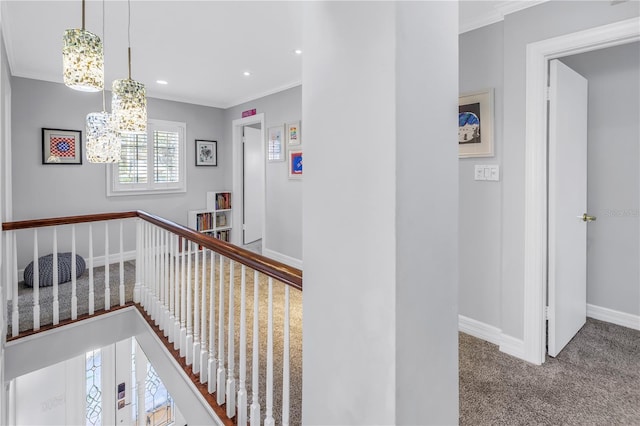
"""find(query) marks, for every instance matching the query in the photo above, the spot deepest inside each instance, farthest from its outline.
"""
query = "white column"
(139, 261)
(393, 64)
(211, 364)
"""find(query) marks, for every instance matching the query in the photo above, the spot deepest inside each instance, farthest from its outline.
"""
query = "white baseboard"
(614, 317)
(97, 261)
(507, 344)
(479, 329)
(287, 260)
(512, 346)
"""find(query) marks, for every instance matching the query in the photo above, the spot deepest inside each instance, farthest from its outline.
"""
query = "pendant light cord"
(129, 35)
(83, 15)
(104, 107)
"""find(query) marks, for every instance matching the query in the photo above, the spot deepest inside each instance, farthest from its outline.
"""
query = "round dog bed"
(45, 267)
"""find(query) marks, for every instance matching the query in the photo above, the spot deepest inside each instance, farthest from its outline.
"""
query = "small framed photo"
(293, 134)
(276, 149)
(61, 146)
(475, 124)
(295, 164)
(206, 153)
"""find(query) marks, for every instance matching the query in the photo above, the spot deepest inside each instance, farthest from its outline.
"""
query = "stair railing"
(195, 288)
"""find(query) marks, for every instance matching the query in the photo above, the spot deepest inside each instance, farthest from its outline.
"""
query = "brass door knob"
(587, 218)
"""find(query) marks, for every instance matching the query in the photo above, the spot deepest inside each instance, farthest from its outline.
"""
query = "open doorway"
(249, 191)
(539, 55)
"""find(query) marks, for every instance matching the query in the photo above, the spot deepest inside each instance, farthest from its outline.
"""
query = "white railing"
(196, 290)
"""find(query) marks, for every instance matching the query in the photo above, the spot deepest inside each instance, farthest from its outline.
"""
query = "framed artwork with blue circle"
(475, 124)
(61, 146)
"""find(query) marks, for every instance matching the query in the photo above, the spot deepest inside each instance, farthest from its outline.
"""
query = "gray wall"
(480, 219)
(60, 190)
(534, 24)
(283, 196)
(613, 250)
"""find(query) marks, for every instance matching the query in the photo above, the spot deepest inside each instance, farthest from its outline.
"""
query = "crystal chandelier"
(103, 142)
(129, 100)
(83, 59)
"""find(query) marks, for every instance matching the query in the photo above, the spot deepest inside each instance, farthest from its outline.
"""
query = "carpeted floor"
(595, 380)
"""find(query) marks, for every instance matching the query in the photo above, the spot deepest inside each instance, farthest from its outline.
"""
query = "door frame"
(237, 176)
(535, 245)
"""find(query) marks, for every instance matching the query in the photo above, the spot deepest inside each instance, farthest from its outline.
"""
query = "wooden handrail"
(272, 268)
(66, 220)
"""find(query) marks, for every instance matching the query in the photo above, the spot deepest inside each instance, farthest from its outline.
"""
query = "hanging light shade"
(83, 59)
(129, 106)
(129, 98)
(103, 142)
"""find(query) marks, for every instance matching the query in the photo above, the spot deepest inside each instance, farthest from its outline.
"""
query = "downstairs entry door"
(253, 181)
(567, 266)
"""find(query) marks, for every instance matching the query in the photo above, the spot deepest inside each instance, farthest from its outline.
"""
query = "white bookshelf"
(216, 219)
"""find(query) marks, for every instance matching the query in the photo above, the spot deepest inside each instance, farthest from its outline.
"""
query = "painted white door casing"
(568, 100)
(253, 175)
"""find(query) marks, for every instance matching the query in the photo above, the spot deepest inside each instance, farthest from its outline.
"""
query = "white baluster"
(189, 348)
(176, 300)
(211, 365)
(183, 300)
(139, 261)
(269, 421)
(154, 274)
(161, 280)
(36, 282)
(285, 360)
(171, 297)
(144, 290)
(242, 392)
(203, 320)
(92, 295)
(150, 268)
(107, 284)
(74, 272)
(15, 313)
(221, 373)
(231, 380)
(55, 277)
(255, 384)
(196, 313)
(167, 321)
(121, 288)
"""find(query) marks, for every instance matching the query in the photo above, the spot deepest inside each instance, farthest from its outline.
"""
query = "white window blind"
(146, 167)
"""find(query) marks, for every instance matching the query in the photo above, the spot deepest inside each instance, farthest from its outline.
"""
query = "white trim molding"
(287, 260)
(512, 346)
(535, 250)
(615, 317)
(480, 330)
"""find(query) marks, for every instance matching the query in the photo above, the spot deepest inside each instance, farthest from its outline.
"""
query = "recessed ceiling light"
(162, 82)
(246, 73)
(298, 52)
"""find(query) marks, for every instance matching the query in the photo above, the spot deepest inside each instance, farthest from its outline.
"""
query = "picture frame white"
(293, 134)
(276, 148)
(475, 124)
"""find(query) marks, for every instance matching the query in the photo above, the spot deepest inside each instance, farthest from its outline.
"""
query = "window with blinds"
(149, 167)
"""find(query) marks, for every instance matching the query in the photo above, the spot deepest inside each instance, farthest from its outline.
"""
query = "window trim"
(115, 189)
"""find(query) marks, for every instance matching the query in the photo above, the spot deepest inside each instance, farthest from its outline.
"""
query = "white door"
(567, 204)
(253, 191)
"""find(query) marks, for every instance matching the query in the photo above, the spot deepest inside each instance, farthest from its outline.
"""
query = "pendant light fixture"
(129, 100)
(103, 142)
(83, 59)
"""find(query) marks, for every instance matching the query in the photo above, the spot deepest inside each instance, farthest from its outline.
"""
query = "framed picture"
(293, 134)
(475, 124)
(275, 144)
(61, 146)
(295, 164)
(206, 153)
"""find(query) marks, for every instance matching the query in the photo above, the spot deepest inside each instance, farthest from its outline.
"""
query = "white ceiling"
(201, 48)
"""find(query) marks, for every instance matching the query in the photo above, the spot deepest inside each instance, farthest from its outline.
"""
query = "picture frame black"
(61, 146)
(206, 152)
